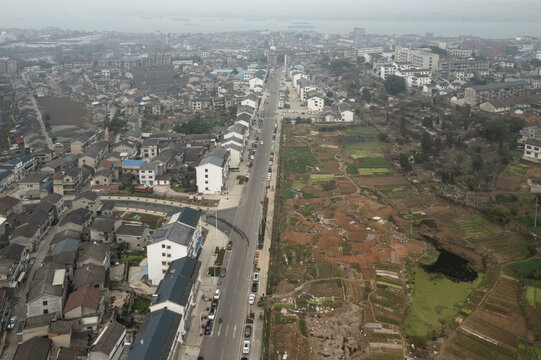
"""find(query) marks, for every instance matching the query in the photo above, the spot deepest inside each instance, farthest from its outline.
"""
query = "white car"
(246, 347)
(247, 176)
(12, 322)
(251, 299)
(212, 314)
(217, 294)
(256, 277)
(261, 142)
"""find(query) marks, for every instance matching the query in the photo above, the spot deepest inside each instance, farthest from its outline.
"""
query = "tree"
(426, 144)
(496, 130)
(405, 163)
(394, 85)
(367, 97)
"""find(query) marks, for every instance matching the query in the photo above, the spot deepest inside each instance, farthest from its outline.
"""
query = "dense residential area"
(269, 195)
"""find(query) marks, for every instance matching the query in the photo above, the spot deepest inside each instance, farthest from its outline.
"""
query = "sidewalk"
(264, 254)
(192, 343)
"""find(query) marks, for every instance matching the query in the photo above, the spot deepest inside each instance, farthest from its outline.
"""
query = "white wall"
(155, 258)
(209, 179)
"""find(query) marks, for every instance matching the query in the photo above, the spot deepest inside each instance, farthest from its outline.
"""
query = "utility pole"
(411, 222)
(535, 217)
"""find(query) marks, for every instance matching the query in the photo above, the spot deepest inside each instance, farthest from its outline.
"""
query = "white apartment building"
(212, 172)
(148, 173)
(180, 238)
(532, 150)
(315, 103)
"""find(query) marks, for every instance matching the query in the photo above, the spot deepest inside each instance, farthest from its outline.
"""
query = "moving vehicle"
(251, 299)
(230, 245)
(246, 347)
(248, 331)
(261, 142)
(217, 294)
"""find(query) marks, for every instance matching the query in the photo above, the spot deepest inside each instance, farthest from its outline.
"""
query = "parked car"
(246, 347)
(251, 299)
(256, 277)
(12, 322)
(212, 314)
(248, 331)
(222, 272)
(254, 287)
(214, 304)
(208, 327)
(217, 294)
(230, 245)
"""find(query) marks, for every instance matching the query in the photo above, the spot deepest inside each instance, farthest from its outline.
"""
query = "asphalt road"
(227, 338)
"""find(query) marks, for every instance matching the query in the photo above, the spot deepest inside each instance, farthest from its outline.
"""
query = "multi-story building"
(212, 172)
(180, 238)
(476, 95)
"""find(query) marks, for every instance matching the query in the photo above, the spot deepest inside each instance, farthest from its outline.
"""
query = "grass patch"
(362, 131)
(528, 223)
(383, 283)
(302, 327)
(298, 158)
(153, 221)
(359, 154)
(436, 300)
(141, 305)
(133, 258)
(214, 270)
(322, 177)
(287, 192)
(372, 171)
(526, 270)
(516, 169)
(373, 162)
(220, 254)
(297, 185)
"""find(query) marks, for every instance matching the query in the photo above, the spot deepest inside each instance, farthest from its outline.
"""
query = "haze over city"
(385, 17)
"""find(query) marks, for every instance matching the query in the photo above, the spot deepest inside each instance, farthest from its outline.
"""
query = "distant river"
(181, 24)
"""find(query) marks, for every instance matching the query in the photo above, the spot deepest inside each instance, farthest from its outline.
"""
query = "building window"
(45, 303)
(163, 262)
(206, 170)
(164, 271)
(206, 176)
(206, 188)
(168, 255)
(45, 312)
(206, 182)
(168, 247)
(163, 254)
(163, 246)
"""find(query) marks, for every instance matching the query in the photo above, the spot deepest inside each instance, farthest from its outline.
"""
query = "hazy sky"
(131, 15)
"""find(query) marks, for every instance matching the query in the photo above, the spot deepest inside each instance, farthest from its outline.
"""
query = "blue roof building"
(157, 337)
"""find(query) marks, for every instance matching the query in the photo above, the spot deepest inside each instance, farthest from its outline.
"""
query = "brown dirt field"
(509, 182)
(498, 316)
(346, 187)
(534, 172)
(328, 243)
(381, 180)
(62, 110)
(294, 237)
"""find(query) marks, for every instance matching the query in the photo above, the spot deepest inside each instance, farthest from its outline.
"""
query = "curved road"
(226, 339)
